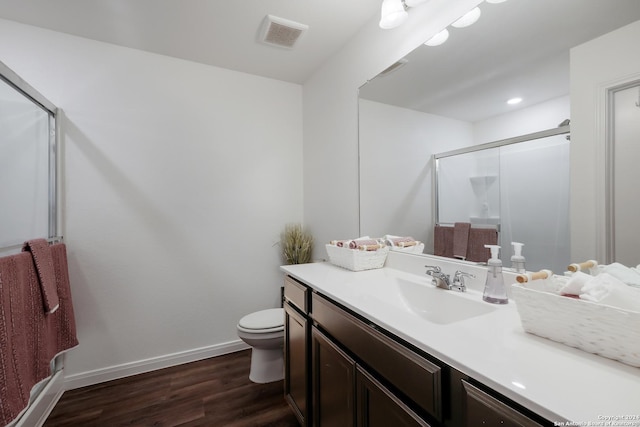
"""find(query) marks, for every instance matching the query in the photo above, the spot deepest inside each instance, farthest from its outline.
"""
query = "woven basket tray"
(417, 249)
(595, 328)
(356, 260)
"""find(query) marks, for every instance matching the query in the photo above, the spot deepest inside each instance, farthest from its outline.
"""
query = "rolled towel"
(396, 240)
(371, 247)
(341, 243)
(362, 242)
(575, 283)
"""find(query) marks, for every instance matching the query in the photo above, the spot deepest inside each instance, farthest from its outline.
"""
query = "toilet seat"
(263, 321)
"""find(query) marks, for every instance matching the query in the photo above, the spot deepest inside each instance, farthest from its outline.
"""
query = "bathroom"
(178, 175)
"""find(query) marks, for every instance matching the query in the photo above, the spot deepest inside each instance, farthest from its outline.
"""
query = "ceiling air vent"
(281, 32)
(393, 67)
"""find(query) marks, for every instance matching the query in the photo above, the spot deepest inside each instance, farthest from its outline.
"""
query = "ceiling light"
(495, 1)
(514, 101)
(393, 14)
(468, 18)
(438, 39)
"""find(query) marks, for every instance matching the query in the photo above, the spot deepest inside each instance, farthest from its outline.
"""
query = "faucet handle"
(433, 269)
(458, 280)
(460, 275)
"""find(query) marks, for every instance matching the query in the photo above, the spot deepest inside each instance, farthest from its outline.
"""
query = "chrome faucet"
(438, 278)
(458, 281)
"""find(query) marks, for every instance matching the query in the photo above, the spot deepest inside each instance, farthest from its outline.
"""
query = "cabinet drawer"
(416, 377)
(296, 293)
(479, 408)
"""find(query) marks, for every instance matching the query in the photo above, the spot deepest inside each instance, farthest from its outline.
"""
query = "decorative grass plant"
(297, 244)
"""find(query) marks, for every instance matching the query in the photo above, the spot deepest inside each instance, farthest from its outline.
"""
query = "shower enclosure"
(520, 185)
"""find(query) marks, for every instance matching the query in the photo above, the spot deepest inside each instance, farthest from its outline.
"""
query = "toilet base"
(267, 365)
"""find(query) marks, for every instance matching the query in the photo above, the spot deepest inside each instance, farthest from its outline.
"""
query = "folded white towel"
(606, 289)
(630, 276)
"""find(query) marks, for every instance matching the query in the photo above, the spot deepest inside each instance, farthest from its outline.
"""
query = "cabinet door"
(378, 407)
(481, 409)
(333, 379)
(296, 365)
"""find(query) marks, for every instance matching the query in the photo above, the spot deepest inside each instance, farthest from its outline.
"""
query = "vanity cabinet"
(296, 349)
(343, 370)
(481, 409)
(333, 383)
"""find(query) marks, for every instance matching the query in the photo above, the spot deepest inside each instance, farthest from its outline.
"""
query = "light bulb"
(514, 101)
(392, 14)
(468, 18)
(438, 39)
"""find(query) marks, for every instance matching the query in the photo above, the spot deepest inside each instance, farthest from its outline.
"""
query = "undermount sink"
(423, 299)
(438, 305)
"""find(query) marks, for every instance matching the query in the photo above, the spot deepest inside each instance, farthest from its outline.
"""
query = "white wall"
(179, 178)
(538, 117)
(596, 66)
(331, 208)
(396, 168)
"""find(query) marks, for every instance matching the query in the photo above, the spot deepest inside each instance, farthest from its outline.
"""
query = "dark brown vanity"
(343, 370)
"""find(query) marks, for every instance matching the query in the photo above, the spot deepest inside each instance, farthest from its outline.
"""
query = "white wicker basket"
(417, 249)
(595, 328)
(357, 260)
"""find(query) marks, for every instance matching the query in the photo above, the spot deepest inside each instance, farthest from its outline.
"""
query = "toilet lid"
(264, 319)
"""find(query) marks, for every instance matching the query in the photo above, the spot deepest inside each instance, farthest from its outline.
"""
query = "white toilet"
(264, 332)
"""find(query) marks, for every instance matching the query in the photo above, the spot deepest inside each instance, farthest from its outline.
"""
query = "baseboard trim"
(97, 376)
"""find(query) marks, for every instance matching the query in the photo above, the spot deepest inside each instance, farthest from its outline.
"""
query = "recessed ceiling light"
(495, 1)
(514, 101)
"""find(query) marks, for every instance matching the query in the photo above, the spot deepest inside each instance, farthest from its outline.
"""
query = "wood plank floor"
(211, 392)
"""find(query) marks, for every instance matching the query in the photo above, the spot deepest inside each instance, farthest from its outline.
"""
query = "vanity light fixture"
(468, 18)
(514, 101)
(438, 39)
(393, 14)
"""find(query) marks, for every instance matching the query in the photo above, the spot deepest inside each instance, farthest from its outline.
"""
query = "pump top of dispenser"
(517, 251)
(517, 260)
(495, 253)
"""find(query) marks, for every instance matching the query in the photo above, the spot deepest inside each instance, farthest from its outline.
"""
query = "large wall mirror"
(448, 97)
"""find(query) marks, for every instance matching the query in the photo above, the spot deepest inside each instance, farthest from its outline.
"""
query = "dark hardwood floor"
(211, 392)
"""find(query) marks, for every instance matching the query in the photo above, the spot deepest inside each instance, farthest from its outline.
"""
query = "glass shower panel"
(535, 202)
(24, 167)
(469, 188)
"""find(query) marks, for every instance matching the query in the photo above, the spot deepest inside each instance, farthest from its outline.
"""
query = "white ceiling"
(517, 48)
(214, 32)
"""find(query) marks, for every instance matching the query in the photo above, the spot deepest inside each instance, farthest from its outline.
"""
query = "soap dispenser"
(517, 260)
(494, 290)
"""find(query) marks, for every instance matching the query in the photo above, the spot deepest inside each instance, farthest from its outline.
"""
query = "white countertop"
(555, 381)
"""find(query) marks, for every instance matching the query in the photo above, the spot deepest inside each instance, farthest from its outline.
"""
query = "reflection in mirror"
(453, 95)
(519, 185)
(626, 174)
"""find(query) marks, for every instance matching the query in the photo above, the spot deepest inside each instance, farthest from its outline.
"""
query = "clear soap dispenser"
(494, 290)
(517, 260)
